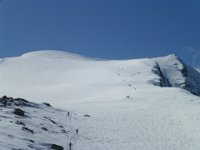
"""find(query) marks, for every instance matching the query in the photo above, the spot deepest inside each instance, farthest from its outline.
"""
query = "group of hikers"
(70, 144)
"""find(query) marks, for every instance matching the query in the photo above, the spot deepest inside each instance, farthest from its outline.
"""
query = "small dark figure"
(86, 115)
(76, 131)
(70, 146)
(68, 114)
(129, 85)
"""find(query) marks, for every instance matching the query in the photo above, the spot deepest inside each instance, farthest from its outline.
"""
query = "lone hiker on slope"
(70, 146)
(77, 131)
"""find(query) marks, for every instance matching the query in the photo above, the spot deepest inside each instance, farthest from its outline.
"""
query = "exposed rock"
(86, 115)
(27, 130)
(47, 104)
(20, 123)
(19, 112)
(32, 141)
(31, 123)
(163, 81)
(21, 102)
(63, 131)
(56, 147)
(3, 100)
(173, 72)
(9, 101)
(50, 120)
(44, 128)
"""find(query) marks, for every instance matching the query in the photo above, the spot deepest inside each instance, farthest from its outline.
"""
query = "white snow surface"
(127, 111)
(38, 129)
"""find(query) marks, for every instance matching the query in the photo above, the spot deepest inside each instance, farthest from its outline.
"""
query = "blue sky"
(116, 29)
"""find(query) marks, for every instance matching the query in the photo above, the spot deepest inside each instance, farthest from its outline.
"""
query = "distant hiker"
(76, 131)
(70, 146)
(129, 85)
(68, 114)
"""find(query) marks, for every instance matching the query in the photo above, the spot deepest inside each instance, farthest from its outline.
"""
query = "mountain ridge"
(54, 54)
(127, 110)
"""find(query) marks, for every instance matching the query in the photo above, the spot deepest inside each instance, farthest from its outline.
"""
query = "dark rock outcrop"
(19, 112)
(27, 130)
(9, 101)
(173, 72)
(47, 104)
(20, 123)
(56, 147)
(163, 81)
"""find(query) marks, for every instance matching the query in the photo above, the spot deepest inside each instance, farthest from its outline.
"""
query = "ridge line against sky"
(110, 29)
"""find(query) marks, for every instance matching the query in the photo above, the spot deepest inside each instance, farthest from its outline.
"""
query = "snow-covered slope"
(26, 125)
(173, 72)
(54, 54)
(127, 110)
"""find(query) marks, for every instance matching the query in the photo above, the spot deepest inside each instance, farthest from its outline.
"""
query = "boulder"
(56, 147)
(19, 112)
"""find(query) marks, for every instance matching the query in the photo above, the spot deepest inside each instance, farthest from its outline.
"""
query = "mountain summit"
(53, 54)
(174, 72)
(68, 70)
(142, 104)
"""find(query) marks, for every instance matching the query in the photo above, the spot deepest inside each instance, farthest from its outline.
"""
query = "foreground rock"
(33, 126)
(56, 147)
